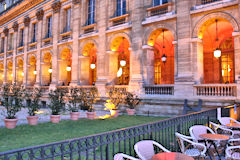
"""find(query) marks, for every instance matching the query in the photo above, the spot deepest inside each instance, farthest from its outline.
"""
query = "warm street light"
(69, 68)
(217, 52)
(164, 58)
(50, 70)
(123, 63)
(119, 73)
(22, 74)
(35, 72)
(93, 66)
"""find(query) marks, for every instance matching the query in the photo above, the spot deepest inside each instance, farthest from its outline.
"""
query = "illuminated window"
(159, 2)
(91, 12)
(121, 7)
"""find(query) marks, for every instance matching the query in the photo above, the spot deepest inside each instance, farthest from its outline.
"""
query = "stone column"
(236, 38)
(101, 55)
(148, 65)
(5, 31)
(39, 15)
(136, 52)
(26, 40)
(197, 53)
(75, 27)
(84, 70)
(55, 33)
(15, 45)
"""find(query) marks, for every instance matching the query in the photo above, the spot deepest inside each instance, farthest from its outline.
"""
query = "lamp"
(22, 73)
(164, 58)
(217, 52)
(50, 70)
(34, 72)
(93, 66)
(69, 68)
(123, 63)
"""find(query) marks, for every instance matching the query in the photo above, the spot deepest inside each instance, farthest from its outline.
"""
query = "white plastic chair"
(227, 120)
(233, 152)
(192, 149)
(121, 156)
(234, 142)
(197, 130)
(219, 129)
(145, 149)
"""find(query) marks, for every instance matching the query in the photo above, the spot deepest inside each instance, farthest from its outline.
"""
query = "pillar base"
(101, 86)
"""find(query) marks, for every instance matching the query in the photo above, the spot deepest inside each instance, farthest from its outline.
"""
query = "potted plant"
(32, 103)
(56, 104)
(116, 96)
(132, 101)
(91, 98)
(12, 101)
(73, 100)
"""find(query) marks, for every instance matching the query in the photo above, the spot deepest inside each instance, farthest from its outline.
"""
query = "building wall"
(183, 19)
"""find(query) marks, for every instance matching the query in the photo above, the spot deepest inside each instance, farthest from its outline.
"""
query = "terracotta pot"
(91, 115)
(116, 114)
(10, 123)
(55, 118)
(32, 120)
(74, 116)
(131, 111)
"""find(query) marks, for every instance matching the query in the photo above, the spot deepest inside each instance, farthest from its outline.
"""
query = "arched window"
(91, 12)
(121, 7)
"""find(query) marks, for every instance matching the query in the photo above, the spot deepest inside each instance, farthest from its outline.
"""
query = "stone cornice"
(19, 9)
(76, 1)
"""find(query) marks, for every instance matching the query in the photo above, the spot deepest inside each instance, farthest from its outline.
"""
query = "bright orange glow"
(109, 106)
(38, 112)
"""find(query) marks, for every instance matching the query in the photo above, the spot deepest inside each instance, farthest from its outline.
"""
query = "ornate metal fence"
(103, 146)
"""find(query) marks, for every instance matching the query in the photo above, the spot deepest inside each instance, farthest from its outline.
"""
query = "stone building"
(163, 50)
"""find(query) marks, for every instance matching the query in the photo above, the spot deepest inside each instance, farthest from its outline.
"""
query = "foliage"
(56, 101)
(74, 98)
(117, 96)
(91, 98)
(12, 100)
(132, 100)
(33, 99)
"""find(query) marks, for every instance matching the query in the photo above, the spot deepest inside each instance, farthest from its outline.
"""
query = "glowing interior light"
(22, 74)
(50, 70)
(11, 75)
(69, 68)
(217, 53)
(35, 72)
(123, 63)
(92, 66)
(119, 73)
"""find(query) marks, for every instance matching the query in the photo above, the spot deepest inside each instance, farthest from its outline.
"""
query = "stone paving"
(43, 117)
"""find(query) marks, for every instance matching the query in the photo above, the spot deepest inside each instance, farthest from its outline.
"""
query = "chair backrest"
(145, 149)
(197, 130)
(121, 156)
(231, 153)
(225, 120)
(219, 129)
(180, 142)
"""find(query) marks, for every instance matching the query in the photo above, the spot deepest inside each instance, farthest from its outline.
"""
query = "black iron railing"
(103, 146)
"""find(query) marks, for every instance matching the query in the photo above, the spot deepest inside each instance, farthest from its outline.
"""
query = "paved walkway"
(43, 117)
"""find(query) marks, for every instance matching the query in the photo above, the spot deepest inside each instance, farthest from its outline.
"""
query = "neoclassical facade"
(163, 50)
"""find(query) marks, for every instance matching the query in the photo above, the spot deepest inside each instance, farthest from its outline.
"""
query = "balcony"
(118, 20)
(160, 10)
(217, 90)
(159, 90)
(47, 39)
(207, 5)
(33, 44)
(66, 33)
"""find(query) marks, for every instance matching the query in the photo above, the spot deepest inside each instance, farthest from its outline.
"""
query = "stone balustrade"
(159, 90)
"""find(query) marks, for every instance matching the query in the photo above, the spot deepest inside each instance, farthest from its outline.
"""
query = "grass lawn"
(43, 133)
